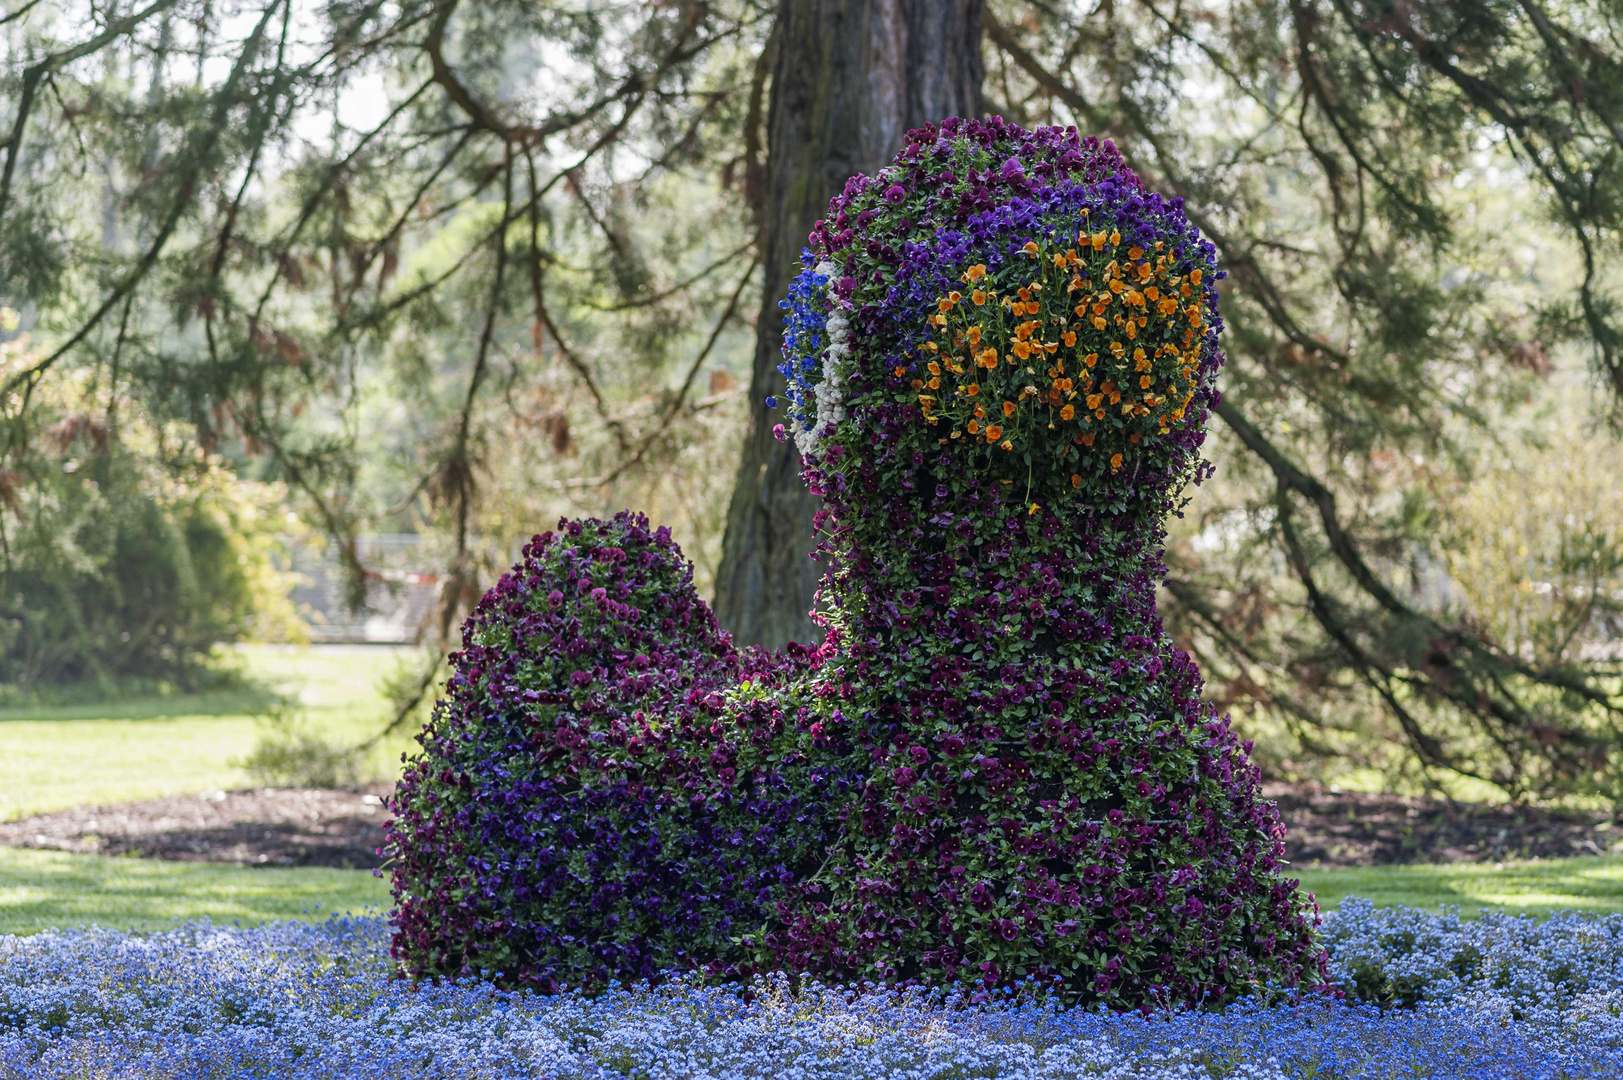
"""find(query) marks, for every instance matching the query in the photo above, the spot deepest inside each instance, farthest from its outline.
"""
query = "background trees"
(460, 265)
(452, 268)
(849, 78)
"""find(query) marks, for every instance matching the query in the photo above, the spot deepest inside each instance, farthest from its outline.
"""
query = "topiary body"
(595, 795)
(1020, 355)
(1001, 355)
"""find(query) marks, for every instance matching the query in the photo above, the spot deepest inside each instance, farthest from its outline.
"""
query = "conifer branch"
(34, 73)
(199, 152)
(675, 406)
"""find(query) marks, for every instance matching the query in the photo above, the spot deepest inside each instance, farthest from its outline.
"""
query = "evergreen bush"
(118, 580)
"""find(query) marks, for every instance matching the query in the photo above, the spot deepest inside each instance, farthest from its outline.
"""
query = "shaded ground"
(314, 827)
(1331, 828)
(264, 827)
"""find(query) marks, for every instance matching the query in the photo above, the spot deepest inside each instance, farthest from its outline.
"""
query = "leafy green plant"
(124, 560)
(292, 754)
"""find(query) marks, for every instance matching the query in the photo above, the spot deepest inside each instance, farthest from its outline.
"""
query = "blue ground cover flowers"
(1428, 996)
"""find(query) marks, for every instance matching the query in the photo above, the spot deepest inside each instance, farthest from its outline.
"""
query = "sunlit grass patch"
(1533, 886)
(61, 756)
(44, 889)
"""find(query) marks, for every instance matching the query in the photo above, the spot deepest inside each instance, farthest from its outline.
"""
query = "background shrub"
(115, 578)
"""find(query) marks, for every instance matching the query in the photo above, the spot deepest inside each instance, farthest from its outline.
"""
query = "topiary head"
(1002, 306)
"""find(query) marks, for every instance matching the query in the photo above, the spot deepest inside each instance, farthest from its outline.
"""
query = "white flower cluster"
(829, 393)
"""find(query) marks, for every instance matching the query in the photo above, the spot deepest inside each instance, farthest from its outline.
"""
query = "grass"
(84, 755)
(40, 889)
(1533, 887)
(57, 757)
(43, 889)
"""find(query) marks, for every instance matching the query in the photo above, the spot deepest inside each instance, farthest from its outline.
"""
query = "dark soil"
(1331, 828)
(316, 827)
(265, 827)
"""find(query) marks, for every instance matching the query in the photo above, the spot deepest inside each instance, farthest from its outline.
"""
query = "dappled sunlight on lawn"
(41, 889)
(1593, 883)
(64, 756)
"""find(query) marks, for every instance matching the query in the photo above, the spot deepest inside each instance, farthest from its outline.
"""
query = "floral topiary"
(1000, 355)
(1021, 345)
(594, 796)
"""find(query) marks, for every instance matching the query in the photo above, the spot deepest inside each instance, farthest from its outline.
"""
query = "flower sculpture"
(1000, 355)
(602, 792)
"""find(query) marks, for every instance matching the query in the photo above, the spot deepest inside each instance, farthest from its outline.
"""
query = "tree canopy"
(460, 264)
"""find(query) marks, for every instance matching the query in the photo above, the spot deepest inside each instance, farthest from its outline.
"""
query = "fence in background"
(403, 582)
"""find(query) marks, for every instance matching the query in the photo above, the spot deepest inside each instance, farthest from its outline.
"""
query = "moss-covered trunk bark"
(851, 77)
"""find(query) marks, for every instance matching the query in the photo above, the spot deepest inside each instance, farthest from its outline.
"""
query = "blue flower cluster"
(806, 315)
(1495, 998)
(1553, 973)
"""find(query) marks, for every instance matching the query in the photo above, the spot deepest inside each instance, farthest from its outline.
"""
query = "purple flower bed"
(1498, 999)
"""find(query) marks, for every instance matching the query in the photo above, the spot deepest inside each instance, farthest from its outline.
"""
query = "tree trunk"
(851, 78)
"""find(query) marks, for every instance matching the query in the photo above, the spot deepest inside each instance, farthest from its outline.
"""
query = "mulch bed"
(316, 827)
(264, 827)
(1336, 828)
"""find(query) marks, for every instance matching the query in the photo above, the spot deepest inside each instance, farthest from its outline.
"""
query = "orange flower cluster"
(1096, 344)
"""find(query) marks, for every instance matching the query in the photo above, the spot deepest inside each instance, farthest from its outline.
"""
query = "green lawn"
(91, 755)
(58, 757)
(41, 889)
(1537, 886)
